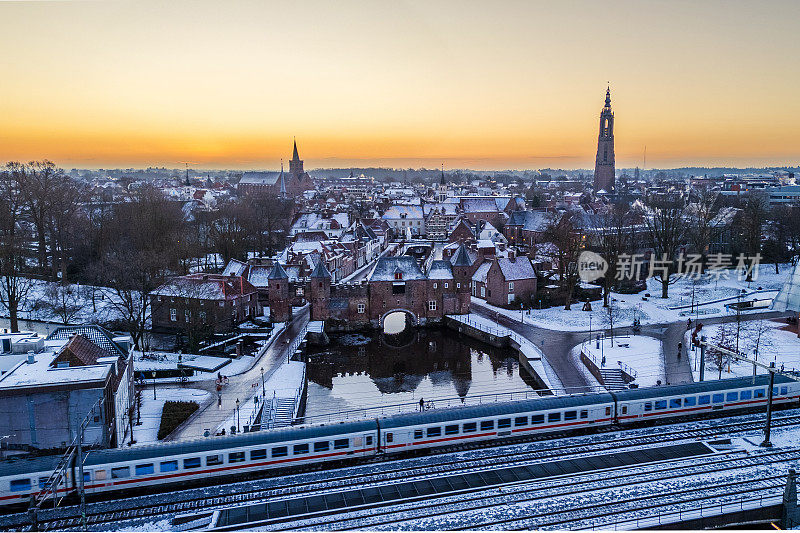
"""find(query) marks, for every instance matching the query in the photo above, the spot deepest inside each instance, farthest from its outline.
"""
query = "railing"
(587, 351)
(298, 397)
(627, 369)
(500, 331)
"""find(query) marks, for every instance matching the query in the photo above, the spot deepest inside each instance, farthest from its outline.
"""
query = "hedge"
(173, 415)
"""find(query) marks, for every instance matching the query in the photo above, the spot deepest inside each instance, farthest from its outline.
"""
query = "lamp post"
(154, 384)
(767, 443)
(237, 415)
(262, 381)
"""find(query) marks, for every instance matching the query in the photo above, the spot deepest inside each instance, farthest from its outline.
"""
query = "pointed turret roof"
(278, 272)
(321, 271)
(608, 96)
(295, 156)
(442, 180)
(283, 182)
(462, 257)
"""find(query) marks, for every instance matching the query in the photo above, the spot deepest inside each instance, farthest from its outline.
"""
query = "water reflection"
(359, 371)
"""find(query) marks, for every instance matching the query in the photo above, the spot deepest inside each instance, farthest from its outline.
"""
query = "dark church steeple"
(604, 168)
(296, 164)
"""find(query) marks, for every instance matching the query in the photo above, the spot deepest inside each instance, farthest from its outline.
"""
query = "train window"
(339, 444)
(608, 411)
(571, 415)
(258, 454)
(20, 484)
(451, 430)
(674, 403)
(100, 475)
(554, 417)
(745, 395)
(192, 462)
(418, 433)
(504, 423)
(648, 406)
(433, 432)
(784, 391)
(236, 457)
(389, 437)
(143, 470)
(774, 391)
(537, 419)
(759, 393)
(369, 440)
(280, 451)
(213, 460)
(87, 477)
(521, 421)
(689, 402)
(705, 399)
(43, 484)
(718, 398)
(121, 472)
(300, 449)
(660, 404)
(731, 396)
(470, 427)
(624, 410)
(324, 446)
(487, 424)
(584, 414)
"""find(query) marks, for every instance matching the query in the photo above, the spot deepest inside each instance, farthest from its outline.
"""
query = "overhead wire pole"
(769, 368)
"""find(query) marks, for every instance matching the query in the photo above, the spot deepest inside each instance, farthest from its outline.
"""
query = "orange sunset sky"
(483, 85)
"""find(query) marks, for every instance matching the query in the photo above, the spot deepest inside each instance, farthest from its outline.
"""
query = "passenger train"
(146, 467)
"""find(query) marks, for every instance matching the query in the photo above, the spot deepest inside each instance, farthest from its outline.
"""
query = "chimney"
(512, 255)
(31, 359)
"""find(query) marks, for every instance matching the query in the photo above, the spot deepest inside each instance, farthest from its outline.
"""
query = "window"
(100, 475)
(418, 434)
(20, 484)
(760, 393)
(121, 472)
(435, 285)
(446, 285)
(521, 421)
(504, 423)
(142, 470)
(554, 417)
(745, 395)
(258, 454)
(689, 402)
(584, 414)
(300, 449)
(571, 415)
(487, 425)
(451, 430)
(674, 403)
(432, 305)
(537, 419)
(340, 444)
(718, 398)
(608, 411)
(173, 315)
(510, 286)
(704, 399)
(362, 308)
(731, 396)
(389, 437)
(398, 275)
(213, 460)
(648, 406)
(369, 440)
(236, 457)
(186, 315)
(192, 462)
(458, 285)
(280, 451)
(774, 391)
(660, 405)
(624, 409)
(87, 476)
(322, 446)
(433, 432)
(784, 391)
(469, 427)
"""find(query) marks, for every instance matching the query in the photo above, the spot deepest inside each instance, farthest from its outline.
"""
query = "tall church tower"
(604, 164)
(296, 164)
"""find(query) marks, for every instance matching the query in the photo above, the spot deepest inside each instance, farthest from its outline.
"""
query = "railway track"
(185, 501)
(552, 502)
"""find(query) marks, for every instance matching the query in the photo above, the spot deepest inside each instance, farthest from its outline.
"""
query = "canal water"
(359, 370)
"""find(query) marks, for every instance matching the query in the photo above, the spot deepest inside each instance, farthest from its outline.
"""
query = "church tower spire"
(296, 164)
(604, 168)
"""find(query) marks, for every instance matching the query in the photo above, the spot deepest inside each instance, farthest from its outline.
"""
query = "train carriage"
(552, 414)
(19, 478)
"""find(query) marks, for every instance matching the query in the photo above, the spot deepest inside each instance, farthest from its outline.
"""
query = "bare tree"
(612, 238)
(35, 180)
(666, 229)
(63, 301)
(702, 229)
(563, 232)
(14, 285)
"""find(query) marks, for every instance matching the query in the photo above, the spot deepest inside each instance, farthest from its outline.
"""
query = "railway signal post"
(767, 443)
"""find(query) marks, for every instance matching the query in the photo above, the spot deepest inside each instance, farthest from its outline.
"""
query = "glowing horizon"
(511, 85)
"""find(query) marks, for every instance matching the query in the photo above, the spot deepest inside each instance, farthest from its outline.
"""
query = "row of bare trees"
(56, 228)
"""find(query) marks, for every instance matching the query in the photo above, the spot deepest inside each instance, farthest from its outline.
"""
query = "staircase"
(612, 379)
(284, 412)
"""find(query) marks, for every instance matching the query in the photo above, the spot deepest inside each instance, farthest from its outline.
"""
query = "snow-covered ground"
(147, 433)
(763, 340)
(641, 354)
(656, 310)
(48, 301)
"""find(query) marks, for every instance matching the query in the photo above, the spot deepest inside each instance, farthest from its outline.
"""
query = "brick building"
(504, 280)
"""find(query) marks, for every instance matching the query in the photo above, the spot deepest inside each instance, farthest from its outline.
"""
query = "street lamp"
(154, 384)
(237, 415)
(262, 381)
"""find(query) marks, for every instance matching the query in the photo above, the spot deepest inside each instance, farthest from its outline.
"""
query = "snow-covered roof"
(519, 268)
(386, 268)
(260, 178)
(480, 273)
(440, 269)
(234, 268)
(530, 220)
(402, 211)
(481, 205)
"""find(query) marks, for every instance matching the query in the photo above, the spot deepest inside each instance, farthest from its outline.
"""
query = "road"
(210, 415)
(557, 345)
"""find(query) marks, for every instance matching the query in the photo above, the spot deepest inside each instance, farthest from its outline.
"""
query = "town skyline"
(398, 85)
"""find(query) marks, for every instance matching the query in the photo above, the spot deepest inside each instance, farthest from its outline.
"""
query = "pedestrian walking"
(421, 404)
